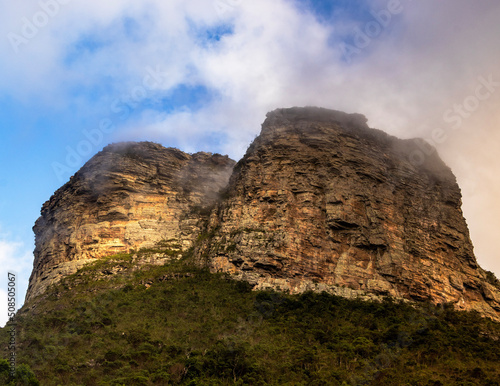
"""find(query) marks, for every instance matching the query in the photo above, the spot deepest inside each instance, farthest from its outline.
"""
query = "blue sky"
(201, 75)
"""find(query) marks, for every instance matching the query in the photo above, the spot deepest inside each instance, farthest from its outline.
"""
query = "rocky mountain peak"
(319, 202)
(127, 197)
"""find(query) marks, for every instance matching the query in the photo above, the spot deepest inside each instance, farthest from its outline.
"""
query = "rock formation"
(322, 202)
(129, 196)
(319, 202)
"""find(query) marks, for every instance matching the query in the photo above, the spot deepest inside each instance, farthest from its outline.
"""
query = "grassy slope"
(192, 327)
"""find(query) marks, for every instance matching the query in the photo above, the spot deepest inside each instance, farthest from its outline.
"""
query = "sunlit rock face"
(319, 202)
(129, 196)
(322, 202)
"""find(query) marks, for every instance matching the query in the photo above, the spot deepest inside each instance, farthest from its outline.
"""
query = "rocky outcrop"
(129, 196)
(322, 202)
(319, 202)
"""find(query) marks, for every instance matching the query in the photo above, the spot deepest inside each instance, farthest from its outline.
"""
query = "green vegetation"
(166, 247)
(191, 327)
(120, 259)
(23, 375)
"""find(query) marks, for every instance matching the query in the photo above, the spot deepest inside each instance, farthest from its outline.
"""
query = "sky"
(200, 75)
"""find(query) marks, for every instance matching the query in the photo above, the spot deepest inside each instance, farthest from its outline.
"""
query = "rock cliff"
(129, 196)
(322, 202)
(319, 202)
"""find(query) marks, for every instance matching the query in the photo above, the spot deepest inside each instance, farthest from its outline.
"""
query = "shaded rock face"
(129, 196)
(322, 202)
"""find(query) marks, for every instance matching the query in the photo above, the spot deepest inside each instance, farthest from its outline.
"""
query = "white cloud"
(18, 259)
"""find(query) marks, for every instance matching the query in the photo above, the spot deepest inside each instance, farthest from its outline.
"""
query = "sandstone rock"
(319, 202)
(129, 196)
(322, 201)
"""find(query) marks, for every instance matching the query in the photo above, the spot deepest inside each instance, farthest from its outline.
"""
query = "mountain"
(129, 196)
(330, 254)
(320, 202)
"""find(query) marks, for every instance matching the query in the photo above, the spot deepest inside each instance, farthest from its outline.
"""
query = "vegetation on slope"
(179, 324)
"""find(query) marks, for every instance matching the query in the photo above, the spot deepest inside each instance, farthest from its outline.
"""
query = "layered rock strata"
(128, 197)
(319, 202)
(322, 202)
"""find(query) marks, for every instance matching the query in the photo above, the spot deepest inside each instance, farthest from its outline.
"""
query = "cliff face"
(129, 196)
(319, 202)
(322, 202)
